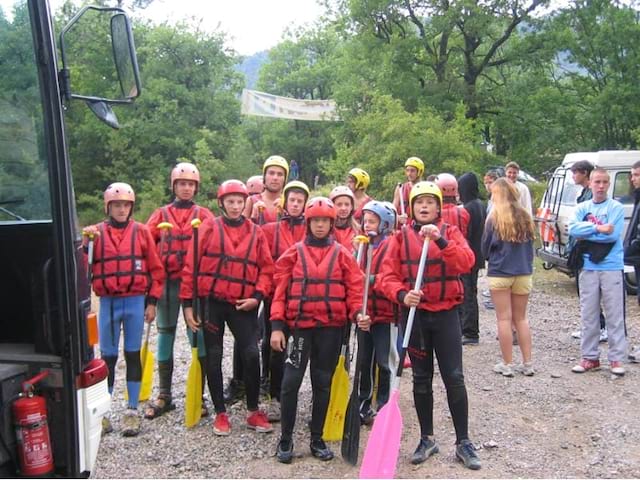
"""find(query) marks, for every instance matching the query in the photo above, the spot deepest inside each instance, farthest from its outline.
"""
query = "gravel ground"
(555, 424)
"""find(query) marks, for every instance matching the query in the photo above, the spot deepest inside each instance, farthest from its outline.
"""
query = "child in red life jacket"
(233, 268)
(358, 181)
(318, 289)
(346, 227)
(185, 180)
(452, 212)
(266, 207)
(436, 327)
(378, 347)
(126, 272)
(281, 235)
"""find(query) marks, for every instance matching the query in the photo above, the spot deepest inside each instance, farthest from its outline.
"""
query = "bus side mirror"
(99, 62)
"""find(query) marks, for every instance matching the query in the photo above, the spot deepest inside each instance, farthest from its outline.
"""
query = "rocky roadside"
(554, 424)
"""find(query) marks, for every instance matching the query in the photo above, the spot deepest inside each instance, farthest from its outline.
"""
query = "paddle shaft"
(401, 196)
(90, 260)
(351, 437)
(412, 310)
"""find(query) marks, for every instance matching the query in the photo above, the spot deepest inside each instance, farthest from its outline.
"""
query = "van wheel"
(547, 265)
(630, 283)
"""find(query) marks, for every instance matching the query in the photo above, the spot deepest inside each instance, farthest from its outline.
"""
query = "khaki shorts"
(520, 284)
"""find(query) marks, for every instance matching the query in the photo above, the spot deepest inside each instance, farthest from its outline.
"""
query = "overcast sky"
(251, 25)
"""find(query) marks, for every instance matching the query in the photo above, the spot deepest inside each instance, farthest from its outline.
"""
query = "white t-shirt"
(525, 196)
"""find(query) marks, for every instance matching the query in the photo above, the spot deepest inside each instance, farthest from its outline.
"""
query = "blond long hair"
(511, 222)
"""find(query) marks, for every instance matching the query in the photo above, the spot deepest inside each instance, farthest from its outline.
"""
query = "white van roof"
(604, 158)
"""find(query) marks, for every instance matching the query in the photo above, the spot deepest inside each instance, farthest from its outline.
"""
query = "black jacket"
(470, 197)
(631, 242)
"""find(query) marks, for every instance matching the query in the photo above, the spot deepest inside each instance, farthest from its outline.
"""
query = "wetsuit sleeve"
(186, 283)
(154, 265)
(282, 276)
(264, 285)
(353, 281)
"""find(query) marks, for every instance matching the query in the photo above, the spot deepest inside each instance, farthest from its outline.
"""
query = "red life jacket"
(316, 293)
(176, 242)
(120, 270)
(404, 196)
(226, 272)
(438, 284)
(358, 213)
(379, 307)
(266, 215)
(345, 236)
(281, 235)
(456, 215)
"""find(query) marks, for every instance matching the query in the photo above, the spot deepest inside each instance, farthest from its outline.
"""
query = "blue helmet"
(385, 212)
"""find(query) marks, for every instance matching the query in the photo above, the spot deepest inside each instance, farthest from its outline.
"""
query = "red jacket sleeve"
(390, 281)
(154, 264)
(353, 281)
(457, 255)
(282, 276)
(152, 223)
(186, 283)
(265, 263)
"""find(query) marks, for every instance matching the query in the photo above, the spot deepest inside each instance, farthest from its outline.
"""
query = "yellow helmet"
(276, 161)
(294, 185)
(362, 178)
(424, 188)
(416, 163)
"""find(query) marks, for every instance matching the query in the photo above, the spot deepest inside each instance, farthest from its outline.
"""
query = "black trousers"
(320, 347)
(244, 327)
(469, 314)
(438, 332)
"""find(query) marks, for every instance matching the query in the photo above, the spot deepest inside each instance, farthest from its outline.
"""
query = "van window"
(570, 190)
(622, 189)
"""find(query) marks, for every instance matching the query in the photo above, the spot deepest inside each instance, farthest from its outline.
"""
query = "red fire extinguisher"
(32, 430)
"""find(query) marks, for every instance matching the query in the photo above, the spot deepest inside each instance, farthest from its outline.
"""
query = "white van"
(559, 201)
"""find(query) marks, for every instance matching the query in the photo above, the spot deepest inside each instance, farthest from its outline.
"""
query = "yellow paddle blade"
(193, 400)
(147, 359)
(334, 421)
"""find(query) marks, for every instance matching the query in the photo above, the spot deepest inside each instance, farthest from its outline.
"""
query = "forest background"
(439, 79)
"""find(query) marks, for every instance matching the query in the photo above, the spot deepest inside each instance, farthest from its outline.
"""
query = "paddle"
(147, 358)
(351, 434)
(193, 400)
(334, 420)
(381, 455)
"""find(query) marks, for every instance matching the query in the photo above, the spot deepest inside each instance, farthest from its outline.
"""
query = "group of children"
(296, 256)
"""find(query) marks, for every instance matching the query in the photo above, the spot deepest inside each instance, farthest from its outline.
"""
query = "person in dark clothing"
(469, 315)
(631, 242)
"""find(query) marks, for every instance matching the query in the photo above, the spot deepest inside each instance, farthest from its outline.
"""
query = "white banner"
(267, 105)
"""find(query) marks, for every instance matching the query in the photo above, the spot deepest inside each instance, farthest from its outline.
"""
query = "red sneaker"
(221, 425)
(258, 421)
(585, 365)
(616, 367)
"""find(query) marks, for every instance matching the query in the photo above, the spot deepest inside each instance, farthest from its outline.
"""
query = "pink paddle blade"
(381, 456)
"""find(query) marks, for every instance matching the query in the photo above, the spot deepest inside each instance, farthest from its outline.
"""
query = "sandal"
(158, 407)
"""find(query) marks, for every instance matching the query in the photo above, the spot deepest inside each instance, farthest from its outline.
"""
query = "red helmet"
(320, 207)
(118, 191)
(185, 171)
(232, 186)
(447, 184)
(255, 185)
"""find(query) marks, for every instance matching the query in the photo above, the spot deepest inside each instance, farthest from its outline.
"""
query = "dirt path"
(555, 424)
